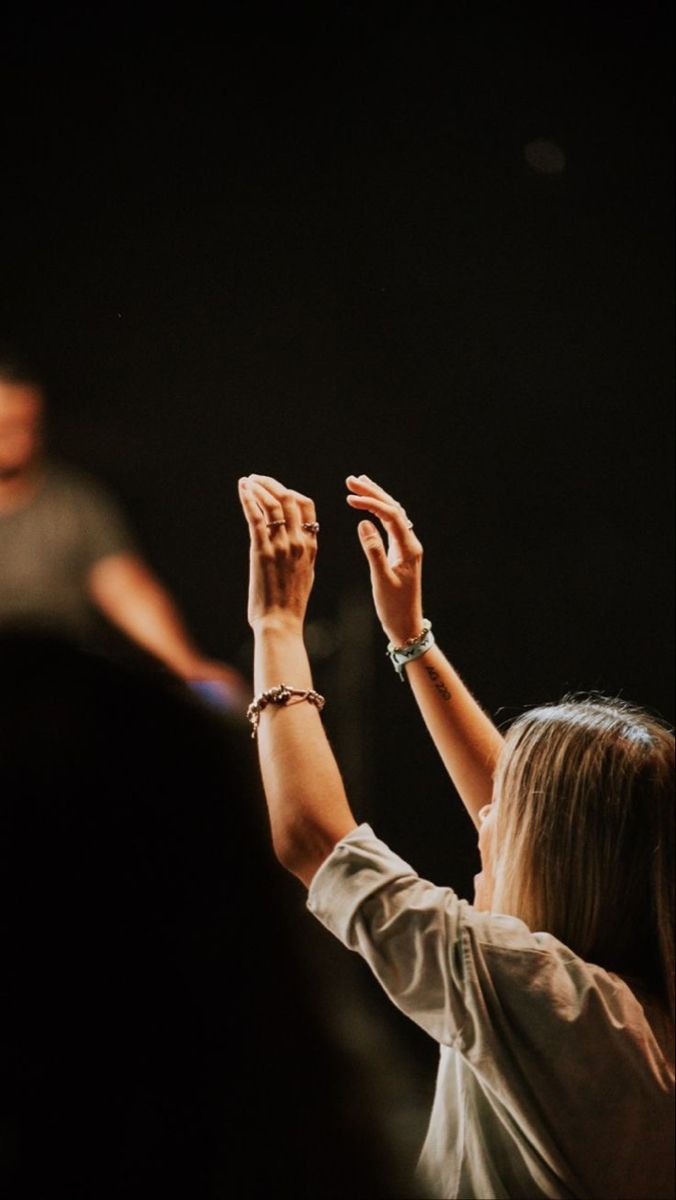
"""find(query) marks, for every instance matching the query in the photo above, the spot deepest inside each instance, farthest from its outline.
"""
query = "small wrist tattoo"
(438, 683)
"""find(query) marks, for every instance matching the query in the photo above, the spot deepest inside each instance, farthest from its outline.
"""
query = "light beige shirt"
(554, 1079)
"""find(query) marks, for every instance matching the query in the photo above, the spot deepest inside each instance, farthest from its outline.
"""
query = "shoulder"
(91, 504)
(531, 980)
(75, 483)
(483, 982)
(497, 956)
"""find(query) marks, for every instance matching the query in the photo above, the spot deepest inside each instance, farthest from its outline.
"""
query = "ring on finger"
(310, 526)
(275, 524)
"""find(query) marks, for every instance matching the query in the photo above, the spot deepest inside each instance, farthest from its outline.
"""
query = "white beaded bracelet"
(281, 694)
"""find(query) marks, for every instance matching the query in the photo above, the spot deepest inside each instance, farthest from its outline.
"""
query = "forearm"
(155, 623)
(133, 599)
(465, 737)
(467, 740)
(307, 805)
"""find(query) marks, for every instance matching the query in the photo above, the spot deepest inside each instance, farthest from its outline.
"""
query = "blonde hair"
(585, 834)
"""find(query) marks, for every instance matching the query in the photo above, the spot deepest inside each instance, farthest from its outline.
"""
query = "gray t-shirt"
(555, 1078)
(48, 546)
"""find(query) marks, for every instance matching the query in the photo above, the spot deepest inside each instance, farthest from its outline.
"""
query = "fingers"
(254, 515)
(284, 511)
(363, 486)
(372, 545)
(275, 511)
(279, 519)
(286, 495)
(392, 515)
(367, 487)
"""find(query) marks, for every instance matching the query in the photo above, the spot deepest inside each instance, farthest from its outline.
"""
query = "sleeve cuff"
(357, 867)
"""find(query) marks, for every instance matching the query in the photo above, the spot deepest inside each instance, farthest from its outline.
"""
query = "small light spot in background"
(545, 157)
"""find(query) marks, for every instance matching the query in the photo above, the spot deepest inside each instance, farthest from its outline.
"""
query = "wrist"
(404, 631)
(280, 625)
(400, 655)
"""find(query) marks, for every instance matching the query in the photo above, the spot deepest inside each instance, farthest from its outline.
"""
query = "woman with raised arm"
(551, 995)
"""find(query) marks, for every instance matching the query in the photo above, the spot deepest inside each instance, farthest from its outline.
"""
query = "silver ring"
(409, 524)
(310, 526)
(274, 524)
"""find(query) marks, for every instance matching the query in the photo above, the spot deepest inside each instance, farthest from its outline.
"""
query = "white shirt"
(554, 1080)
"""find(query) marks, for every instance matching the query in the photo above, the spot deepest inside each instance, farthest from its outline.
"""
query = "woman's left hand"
(283, 529)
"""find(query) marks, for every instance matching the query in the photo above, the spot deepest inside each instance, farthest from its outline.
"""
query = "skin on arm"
(132, 598)
(465, 737)
(308, 808)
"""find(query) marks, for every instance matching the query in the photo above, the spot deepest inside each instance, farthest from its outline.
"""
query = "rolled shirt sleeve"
(526, 1027)
(471, 979)
(408, 930)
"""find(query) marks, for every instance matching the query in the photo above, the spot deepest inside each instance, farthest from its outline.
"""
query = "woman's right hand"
(283, 535)
(396, 573)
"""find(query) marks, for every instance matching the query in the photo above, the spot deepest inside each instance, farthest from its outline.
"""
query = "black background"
(304, 240)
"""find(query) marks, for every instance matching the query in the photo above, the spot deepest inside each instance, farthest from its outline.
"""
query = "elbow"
(301, 851)
(290, 849)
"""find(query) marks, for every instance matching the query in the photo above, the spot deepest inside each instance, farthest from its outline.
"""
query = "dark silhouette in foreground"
(159, 1033)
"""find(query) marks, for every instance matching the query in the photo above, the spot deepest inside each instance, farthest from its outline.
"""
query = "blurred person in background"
(551, 995)
(66, 551)
(161, 1031)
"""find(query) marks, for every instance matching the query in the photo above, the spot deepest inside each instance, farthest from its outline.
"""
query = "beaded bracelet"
(399, 656)
(281, 694)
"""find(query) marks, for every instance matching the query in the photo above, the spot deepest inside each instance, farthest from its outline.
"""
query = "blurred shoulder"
(64, 479)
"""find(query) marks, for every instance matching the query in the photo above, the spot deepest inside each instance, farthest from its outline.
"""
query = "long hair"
(585, 834)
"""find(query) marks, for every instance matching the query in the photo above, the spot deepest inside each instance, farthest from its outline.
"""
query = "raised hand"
(396, 572)
(283, 530)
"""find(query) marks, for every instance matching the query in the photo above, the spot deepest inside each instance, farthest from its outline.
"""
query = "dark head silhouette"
(160, 1034)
